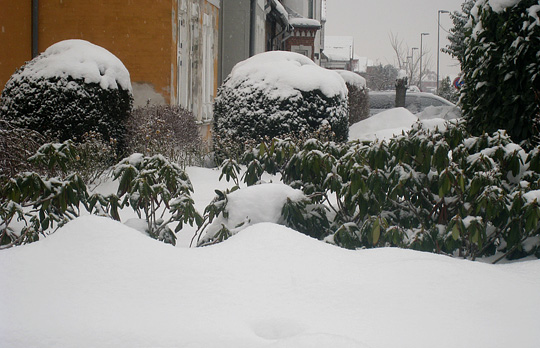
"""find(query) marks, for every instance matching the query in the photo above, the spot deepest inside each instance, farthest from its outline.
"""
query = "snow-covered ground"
(99, 283)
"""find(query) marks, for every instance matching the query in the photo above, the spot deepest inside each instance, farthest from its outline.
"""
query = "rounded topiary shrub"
(358, 95)
(276, 94)
(71, 89)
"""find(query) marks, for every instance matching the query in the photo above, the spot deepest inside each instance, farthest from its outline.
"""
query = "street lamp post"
(412, 64)
(439, 42)
(420, 80)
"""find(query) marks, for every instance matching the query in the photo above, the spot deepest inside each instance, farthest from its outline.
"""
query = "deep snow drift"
(98, 283)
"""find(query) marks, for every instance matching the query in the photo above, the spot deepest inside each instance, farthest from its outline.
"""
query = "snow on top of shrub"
(283, 74)
(352, 78)
(79, 59)
(501, 5)
(254, 204)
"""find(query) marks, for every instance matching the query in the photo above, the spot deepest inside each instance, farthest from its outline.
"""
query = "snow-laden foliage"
(41, 202)
(278, 93)
(448, 91)
(235, 210)
(501, 69)
(156, 189)
(72, 88)
(439, 191)
(150, 184)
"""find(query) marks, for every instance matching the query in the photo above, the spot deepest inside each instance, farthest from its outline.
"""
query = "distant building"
(339, 53)
(177, 51)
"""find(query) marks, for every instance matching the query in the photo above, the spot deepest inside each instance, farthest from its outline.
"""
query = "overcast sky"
(371, 22)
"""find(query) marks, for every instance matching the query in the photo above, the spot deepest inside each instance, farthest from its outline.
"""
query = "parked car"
(415, 102)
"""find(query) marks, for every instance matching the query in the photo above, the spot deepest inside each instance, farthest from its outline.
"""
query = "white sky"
(371, 22)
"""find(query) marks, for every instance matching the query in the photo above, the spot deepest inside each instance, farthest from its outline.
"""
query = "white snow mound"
(352, 78)
(80, 59)
(383, 125)
(252, 205)
(98, 283)
(283, 74)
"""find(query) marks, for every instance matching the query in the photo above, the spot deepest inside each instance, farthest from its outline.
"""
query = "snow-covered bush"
(501, 69)
(233, 211)
(41, 202)
(440, 191)
(152, 186)
(275, 94)
(358, 95)
(167, 130)
(74, 87)
(149, 184)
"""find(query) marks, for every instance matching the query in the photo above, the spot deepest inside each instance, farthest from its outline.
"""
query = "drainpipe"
(252, 27)
(35, 28)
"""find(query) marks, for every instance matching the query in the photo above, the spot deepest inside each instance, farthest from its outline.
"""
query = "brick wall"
(302, 37)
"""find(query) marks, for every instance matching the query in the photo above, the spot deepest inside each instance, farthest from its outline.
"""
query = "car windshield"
(415, 103)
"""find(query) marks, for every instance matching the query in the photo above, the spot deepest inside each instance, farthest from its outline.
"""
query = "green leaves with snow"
(440, 191)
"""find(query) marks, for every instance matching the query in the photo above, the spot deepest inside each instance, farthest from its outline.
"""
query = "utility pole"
(439, 42)
(412, 64)
(420, 80)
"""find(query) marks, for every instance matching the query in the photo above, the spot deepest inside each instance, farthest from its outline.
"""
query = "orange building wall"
(15, 37)
(138, 32)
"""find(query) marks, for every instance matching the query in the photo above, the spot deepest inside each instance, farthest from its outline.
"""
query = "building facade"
(170, 47)
(177, 51)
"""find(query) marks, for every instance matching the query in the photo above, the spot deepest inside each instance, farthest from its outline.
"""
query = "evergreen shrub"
(275, 94)
(71, 89)
(358, 96)
(501, 69)
(442, 191)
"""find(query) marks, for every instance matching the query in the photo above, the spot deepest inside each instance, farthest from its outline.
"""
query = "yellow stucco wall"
(15, 37)
(139, 32)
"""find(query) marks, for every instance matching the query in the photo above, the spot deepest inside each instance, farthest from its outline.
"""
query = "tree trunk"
(401, 90)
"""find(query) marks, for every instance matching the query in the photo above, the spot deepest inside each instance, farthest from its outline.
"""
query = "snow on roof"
(352, 78)
(304, 22)
(339, 47)
(283, 74)
(79, 59)
(282, 11)
(336, 56)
